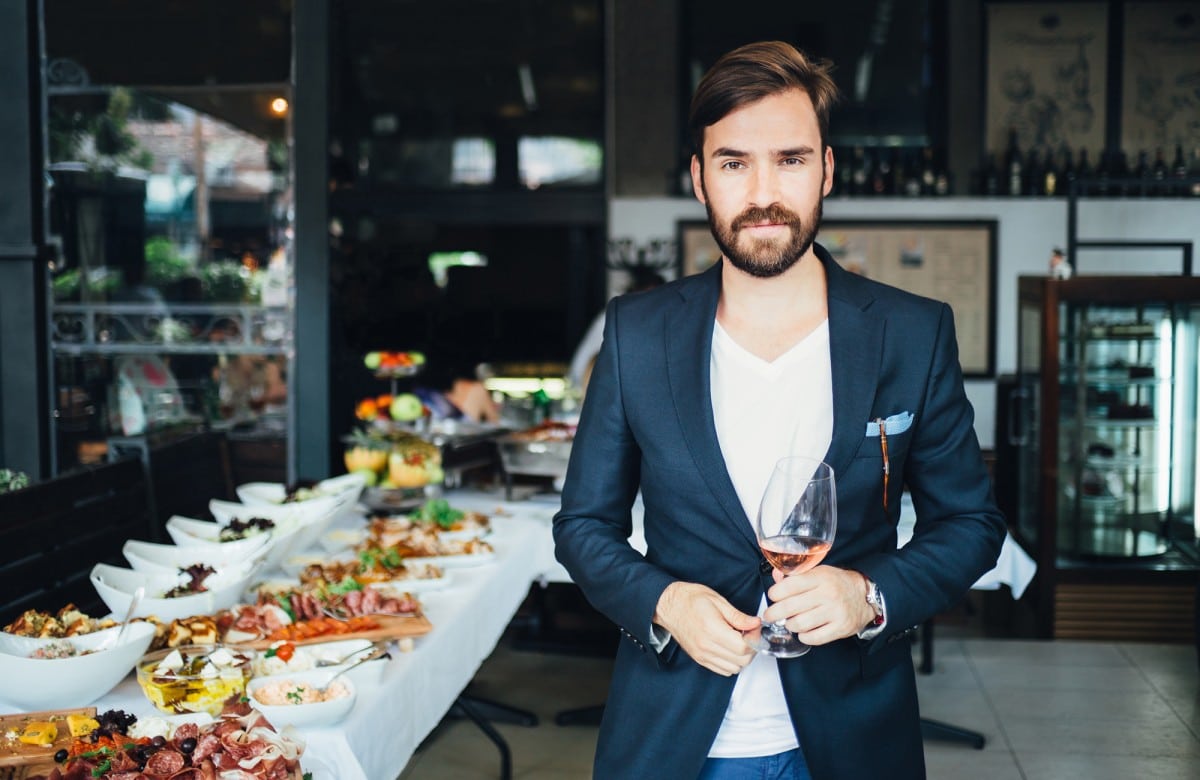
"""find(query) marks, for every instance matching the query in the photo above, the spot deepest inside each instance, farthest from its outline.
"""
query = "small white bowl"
(306, 657)
(324, 713)
(34, 684)
(159, 558)
(117, 585)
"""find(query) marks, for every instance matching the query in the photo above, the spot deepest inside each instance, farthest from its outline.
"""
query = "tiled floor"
(1049, 710)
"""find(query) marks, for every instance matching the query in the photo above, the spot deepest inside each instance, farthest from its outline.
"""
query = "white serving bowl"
(297, 526)
(306, 658)
(344, 489)
(34, 684)
(324, 713)
(190, 532)
(117, 585)
(159, 558)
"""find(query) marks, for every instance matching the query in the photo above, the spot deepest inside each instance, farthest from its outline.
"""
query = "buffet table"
(378, 737)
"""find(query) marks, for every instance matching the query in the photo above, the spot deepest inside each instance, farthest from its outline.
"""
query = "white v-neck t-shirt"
(765, 411)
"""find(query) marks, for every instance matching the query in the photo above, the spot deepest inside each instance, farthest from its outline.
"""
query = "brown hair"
(755, 71)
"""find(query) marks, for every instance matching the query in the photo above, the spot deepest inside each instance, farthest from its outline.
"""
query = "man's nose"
(764, 187)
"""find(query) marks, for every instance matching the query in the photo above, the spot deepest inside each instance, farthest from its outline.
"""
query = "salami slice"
(165, 763)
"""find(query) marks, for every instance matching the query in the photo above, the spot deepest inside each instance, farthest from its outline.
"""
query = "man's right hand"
(706, 626)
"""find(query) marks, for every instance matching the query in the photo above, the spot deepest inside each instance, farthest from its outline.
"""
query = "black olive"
(187, 745)
(61, 756)
(159, 741)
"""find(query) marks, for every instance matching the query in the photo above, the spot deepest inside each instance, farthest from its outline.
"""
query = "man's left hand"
(821, 605)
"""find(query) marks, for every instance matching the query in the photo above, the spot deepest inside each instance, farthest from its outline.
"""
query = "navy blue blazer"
(647, 423)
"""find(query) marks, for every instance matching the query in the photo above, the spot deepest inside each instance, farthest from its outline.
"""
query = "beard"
(765, 258)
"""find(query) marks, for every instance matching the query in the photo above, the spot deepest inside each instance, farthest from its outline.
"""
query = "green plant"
(164, 265)
(101, 140)
(225, 281)
(12, 480)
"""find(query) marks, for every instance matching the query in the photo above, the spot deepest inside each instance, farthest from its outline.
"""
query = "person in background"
(641, 279)
(701, 385)
(452, 390)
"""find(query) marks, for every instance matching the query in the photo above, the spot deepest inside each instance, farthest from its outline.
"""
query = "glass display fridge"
(1106, 447)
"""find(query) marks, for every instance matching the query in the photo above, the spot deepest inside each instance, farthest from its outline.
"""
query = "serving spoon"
(115, 640)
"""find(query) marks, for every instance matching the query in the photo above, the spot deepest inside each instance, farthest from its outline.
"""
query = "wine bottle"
(860, 176)
(1122, 182)
(1179, 173)
(911, 180)
(1067, 174)
(989, 177)
(1049, 184)
(883, 181)
(928, 172)
(1012, 165)
(1031, 180)
(1085, 174)
(1160, 174)
(844, 166)
(1194, 174)
(1143, 176)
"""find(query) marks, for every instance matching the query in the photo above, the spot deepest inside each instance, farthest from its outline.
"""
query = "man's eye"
(732, 165)
(793, 161)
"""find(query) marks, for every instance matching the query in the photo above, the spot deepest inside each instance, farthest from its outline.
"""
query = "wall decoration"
(1046, 71)
(1160, 84)
(953, 262)
(697, 248)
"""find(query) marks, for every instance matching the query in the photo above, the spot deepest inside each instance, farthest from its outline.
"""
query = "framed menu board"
(951, 261)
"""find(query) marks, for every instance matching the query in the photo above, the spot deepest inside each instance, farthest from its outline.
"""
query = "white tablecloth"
(1014, 568)
(379, 736)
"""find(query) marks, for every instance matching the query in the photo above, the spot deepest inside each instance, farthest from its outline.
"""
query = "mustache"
(774, 213)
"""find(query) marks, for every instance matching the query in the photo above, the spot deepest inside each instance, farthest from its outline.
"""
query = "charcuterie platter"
(20, 759)
(372, 627)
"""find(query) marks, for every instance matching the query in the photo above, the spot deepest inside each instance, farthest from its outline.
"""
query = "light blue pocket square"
(897, 423)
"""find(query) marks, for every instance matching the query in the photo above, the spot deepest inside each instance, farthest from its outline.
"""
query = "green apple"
(417, 358)
(436, 474)
(369, 477)
(406, 407)
(372, 360)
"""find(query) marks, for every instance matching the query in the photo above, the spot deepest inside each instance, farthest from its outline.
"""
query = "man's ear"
(697, 179)
(827, 185)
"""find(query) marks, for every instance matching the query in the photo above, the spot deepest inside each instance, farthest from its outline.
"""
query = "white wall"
(1027, 229)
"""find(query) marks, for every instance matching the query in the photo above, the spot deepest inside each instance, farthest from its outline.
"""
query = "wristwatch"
(876, 602)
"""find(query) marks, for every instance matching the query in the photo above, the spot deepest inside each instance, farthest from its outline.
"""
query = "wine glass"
(796, 523)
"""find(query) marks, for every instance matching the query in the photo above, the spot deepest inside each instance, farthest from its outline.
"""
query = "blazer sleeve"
(592, 528)
(959, 530)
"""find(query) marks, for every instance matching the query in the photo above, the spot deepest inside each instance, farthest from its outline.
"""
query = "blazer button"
(764, 566)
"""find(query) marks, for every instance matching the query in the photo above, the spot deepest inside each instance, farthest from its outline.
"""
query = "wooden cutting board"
(18, 760)
(390, 627)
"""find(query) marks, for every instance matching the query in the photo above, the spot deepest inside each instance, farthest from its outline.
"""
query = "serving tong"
(380, 651)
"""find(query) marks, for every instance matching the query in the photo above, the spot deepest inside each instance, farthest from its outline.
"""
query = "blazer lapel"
(689, 352)
(855, 350)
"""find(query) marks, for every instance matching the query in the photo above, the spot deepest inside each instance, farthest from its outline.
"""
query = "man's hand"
(821, 605)
(706, 626)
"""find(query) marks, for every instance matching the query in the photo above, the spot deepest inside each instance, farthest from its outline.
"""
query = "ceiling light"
(279, 106)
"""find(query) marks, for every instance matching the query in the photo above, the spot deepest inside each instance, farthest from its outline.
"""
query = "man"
(700, 386)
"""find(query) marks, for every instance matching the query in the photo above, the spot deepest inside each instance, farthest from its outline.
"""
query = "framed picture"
(1046, 74)
(698, 249)
(1160, 99)
(953, 262)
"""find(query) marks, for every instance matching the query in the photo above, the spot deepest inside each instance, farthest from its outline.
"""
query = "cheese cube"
(39, 732)
(81, 725)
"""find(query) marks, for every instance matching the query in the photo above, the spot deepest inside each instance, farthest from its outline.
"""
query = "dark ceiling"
(449, 64)
(474, 62)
